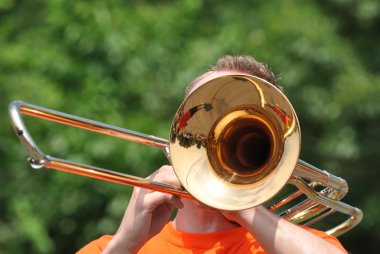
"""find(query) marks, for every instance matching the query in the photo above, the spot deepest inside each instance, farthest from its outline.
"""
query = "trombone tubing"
(38, 159)
(87, 124)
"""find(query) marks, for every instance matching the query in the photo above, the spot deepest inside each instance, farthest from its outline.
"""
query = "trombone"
(234, 143)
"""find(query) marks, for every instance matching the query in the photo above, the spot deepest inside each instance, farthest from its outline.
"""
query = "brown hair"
(246, 64)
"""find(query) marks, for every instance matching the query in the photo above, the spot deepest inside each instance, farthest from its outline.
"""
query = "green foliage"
(127, 62)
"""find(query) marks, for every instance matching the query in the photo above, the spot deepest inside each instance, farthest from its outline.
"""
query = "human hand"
(147, 213)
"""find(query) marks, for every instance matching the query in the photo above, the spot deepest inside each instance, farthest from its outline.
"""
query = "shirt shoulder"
(96, 246)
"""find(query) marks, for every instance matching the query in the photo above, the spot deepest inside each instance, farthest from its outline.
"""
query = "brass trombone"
(234, 144)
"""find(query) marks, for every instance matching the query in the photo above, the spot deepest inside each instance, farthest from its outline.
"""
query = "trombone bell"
(230, 154)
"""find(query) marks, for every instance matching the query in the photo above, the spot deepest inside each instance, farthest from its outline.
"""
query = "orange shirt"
(169, 240)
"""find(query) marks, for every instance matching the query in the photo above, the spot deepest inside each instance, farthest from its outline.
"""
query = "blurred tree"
(127, 63)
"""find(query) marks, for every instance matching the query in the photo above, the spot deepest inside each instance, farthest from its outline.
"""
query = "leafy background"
(126, 63)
